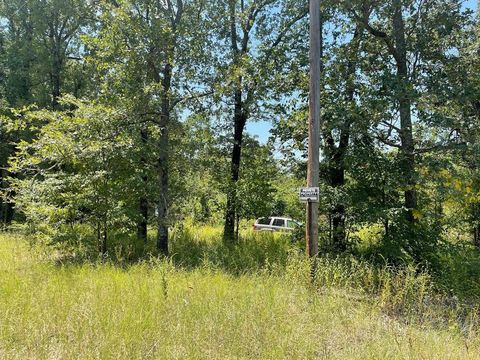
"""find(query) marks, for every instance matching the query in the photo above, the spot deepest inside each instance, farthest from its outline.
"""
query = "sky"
(261, 129)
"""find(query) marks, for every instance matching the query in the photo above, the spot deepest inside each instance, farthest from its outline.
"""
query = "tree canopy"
(124, 118)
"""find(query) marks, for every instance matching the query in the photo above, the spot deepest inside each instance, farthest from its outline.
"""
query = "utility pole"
(313, 127)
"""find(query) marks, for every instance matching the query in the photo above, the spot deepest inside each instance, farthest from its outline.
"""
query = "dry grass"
(156, 310)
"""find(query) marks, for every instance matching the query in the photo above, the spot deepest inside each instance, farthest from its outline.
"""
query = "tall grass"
(253, 252)
(209, 300)
(407, 291)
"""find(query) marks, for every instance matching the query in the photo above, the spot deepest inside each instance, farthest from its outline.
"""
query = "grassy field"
(211, 308)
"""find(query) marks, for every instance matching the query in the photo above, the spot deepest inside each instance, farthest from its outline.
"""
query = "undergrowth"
(447, 298)
(254, 299)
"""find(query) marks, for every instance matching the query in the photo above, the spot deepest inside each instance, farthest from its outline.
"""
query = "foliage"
(255, 188)
(157, 97)
(123, 129)
(81, 173)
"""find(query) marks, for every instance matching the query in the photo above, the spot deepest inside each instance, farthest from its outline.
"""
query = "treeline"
(123, 116)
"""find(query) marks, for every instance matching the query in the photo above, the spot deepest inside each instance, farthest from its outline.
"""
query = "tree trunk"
(99, 238)
(396, 44)
(475, 212)
(9, 211)
(56, 69)
(336, 177)
(237, 227)
(102, 236)
(407, 150)
(205, 209)
(337, 155)
(104, 240)
(476, 235)
(163, 167)
(143, 201)
(338, 213)
(142, 224)
(239, 119)
(55, 78)
(239, 124)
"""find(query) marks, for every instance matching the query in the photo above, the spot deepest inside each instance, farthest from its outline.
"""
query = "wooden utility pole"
(313, 127)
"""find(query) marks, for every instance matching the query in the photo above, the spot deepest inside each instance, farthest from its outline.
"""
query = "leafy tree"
(79, 172)
(456, 89)
(143, 51)
(42, 41)
(40, 45)
(415, 36)
(255, 188)
(256, 43)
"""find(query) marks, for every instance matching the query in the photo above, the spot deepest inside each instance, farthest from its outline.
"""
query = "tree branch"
(396, 128)
(191, 97)
(288, 26)
(388, 142)
(233, 28)
(441, 147)
(377, 33)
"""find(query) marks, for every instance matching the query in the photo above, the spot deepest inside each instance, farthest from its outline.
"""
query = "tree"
(456, 89)
(396, 46)
(40, 44)
(256, 191)
(253, 35)
(59, 25)
(42, 40)
(408, 39)
(78, 174)
(341, 116)
(151, 46)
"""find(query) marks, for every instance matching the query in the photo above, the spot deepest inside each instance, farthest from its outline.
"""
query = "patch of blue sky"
(470, 4)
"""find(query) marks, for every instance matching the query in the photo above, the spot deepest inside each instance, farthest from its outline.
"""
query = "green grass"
(212, 302)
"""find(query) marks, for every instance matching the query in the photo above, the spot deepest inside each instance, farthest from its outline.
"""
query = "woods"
(121, 120)
(151, 156)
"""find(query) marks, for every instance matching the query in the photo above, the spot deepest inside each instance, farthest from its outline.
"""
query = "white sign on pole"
(309, 194)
